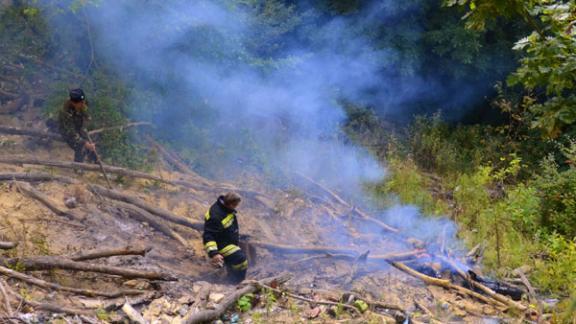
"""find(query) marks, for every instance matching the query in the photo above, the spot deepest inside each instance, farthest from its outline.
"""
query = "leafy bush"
(558, 191)
(557, 274)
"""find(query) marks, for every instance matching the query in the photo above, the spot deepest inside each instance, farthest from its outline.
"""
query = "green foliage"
(557, 274)
(558, 191)
(524, 212)
(23, 32)
(408, 185)
(549, 52)
(482, 11)
(447, 149)
(107, 100)
(244, 303)
(102, 315)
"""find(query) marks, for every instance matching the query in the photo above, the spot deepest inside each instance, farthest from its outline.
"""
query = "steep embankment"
(283, 226)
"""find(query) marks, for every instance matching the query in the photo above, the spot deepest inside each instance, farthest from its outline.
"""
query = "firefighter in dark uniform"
(221, 236)
(72, 121)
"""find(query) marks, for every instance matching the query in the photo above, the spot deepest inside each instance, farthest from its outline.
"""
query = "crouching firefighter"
(221, 237)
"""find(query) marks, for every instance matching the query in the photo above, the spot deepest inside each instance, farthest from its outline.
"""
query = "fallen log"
(19, 160)
(212, 314)
(35, 177)
(28, 190)
(445, 284)
(7, 245)
(163, 213)
(340, 252)
(57, 137)
(55, 262)
(30, 132)
(119, 127)
(171, 158)
(335, 197)
(49, 285)
(141, 215)
(105, 253)
(82, 166)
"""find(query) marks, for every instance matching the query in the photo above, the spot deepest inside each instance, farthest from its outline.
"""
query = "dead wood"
(133, 315)
(51, 307)
(501, 298)
(120, 127)
(446, 284)
(56, 262)
(336, 198)
(333, 196)
(7, 245)
(105, 253)
(116, 303)
(6, 299)
(424, 308)
(212, 314)
(18, 160)
(49, 285)
(531, 291)
(30, 132)
(340, 252)
(163, 213)
(57, 137)
(308, 300)
(28, 190)
(375, 221)
(155, 222)
(170, 157)
(35, 177)
(204, 185)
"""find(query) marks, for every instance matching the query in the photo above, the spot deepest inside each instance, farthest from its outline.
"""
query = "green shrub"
(406, 184)
(558, 192)
(557, 274)
(107, 101)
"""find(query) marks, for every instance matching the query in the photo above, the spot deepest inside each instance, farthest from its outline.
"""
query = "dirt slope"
(298, 216)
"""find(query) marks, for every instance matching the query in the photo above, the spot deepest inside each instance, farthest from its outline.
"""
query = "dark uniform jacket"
(221, 229)
(72, 125)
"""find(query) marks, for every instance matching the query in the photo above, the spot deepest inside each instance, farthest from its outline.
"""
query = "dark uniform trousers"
(72, 128)
(221, 236)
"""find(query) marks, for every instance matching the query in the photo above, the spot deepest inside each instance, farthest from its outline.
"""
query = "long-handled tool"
(99, 162)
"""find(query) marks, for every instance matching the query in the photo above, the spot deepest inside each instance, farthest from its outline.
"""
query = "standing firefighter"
(72, 125)
(221, 236)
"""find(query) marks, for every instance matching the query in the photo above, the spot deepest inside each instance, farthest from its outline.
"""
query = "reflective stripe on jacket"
(221, 231)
